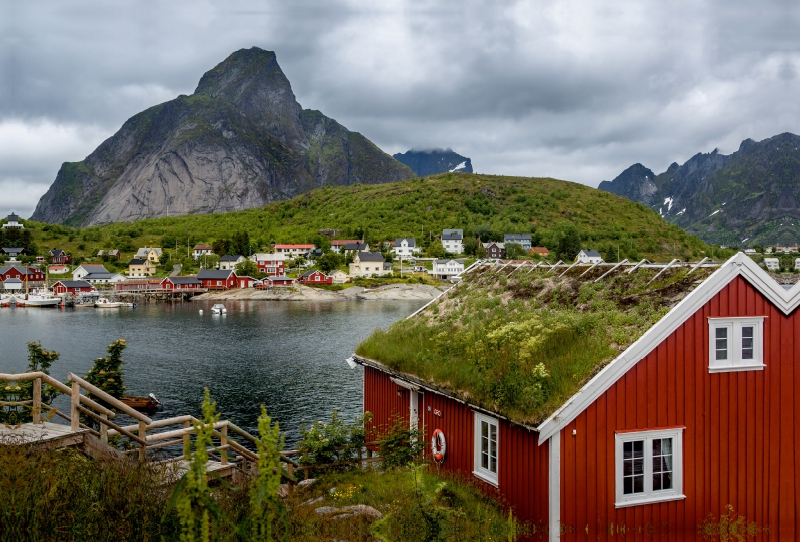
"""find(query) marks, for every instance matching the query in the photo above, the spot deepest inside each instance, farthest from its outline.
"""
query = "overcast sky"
(577, 90)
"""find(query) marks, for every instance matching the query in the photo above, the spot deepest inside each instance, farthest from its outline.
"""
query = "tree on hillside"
(240, 244)
(322, 242)
(247, 268)
(106, 373)
(328, 262)
(569, 244)
(471, 245)
(435, 250)
(514, 251)
(221, 247)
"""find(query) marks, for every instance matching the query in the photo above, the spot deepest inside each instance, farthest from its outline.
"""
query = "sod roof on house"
(521, 341)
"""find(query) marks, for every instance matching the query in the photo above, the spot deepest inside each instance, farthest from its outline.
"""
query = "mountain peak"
(242, 66)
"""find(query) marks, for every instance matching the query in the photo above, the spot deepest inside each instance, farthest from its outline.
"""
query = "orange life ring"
(438, 446)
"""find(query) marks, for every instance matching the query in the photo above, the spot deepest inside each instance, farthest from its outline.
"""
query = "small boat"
(219, 308)
(141, 403)
(38, 298)
(104, 303)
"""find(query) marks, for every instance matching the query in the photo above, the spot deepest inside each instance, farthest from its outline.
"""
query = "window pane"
(484, 445)
(662, 464)
(633, 467)
(747, 342)
(721, 336)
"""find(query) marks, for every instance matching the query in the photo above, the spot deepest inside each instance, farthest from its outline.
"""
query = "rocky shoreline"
(387, 292)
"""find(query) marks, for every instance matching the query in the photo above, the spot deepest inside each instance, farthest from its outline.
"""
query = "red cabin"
(691, 423)
(217, 279)
(59, 256)
(72, 287)
(34, 274)
(315, 277)
(181, 284)
(245, 282)
(270, 264)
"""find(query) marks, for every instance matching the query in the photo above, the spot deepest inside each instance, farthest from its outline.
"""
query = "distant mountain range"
(240, 141)
(431, 162)
(751, 196)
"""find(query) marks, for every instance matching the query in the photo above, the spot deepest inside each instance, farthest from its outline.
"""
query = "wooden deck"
(45, 433)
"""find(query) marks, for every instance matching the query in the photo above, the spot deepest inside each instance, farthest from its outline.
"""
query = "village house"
(149, 253)
(495, 250)
(750, 250)
(542, 252)
(337, 245)
(139, 268)
(244, 281)
(797, 263)
(33, 275)
(338, 276)
(405, 247)
(230, 261)
(73, 287)
(270, 264)
(521, 239)
(96, 274)
(59, 256)
(114, 253)
(352, 248)
(138, 285)
(772, 264)
(58, 269)
(453, 241)
(693, 422)
(180, 284)
(785, 250)
(293, 251)
(370, 264)
(13, 222)
(202, 250)
(447, 269)
(589, 256)
(84, 269)
(217, 279)
(314, 277)
(277, 282)
(13, 252)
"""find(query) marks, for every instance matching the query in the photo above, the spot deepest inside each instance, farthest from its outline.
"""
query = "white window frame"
(649, 495)
(485, 474)
(735, 361)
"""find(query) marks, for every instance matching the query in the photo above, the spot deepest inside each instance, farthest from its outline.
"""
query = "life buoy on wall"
(438, 446)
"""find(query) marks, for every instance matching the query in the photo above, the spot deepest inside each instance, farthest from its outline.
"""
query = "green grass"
(418, 208)
(521, 345)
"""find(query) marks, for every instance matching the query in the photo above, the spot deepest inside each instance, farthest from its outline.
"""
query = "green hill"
(418, 208)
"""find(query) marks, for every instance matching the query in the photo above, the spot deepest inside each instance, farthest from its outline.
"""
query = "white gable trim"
(787, 301)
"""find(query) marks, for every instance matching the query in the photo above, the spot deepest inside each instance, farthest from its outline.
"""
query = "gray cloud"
(575, 90)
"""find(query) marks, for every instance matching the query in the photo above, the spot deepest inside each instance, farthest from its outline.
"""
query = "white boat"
(104, 303)
(219, 308)
(7, 300)
(38, 298)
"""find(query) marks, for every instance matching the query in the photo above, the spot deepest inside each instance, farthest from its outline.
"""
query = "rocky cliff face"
(240, 141)
(749, 197)
(431, 162)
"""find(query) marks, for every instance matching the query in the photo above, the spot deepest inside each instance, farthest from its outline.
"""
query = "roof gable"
(739, 265)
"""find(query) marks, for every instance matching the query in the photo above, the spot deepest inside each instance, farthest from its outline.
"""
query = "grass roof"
(521, 342)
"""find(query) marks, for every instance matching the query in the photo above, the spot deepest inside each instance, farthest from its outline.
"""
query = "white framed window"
(649, 466)
(735, 344)
(487, 439)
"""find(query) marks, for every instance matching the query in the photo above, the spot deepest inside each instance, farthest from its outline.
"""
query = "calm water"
(288, 356)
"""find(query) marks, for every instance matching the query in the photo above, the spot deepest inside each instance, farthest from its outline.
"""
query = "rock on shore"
(298, 292)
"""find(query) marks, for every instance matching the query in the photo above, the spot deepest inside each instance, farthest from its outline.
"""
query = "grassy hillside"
(417, 208)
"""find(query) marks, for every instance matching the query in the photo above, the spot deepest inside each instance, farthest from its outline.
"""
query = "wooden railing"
(142, 433)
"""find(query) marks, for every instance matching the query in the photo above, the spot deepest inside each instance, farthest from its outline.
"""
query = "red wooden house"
(273, 282)
(72, 287)
(217, 279)
(270, 264)
(315, 277)
(34, 274)
(59, 256)
(181, 284)
(245, 281)
(696, 420)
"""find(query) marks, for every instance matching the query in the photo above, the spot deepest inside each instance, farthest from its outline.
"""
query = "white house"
(86, 269)
(369, 264)
(772, 264)
(589, 256)
(453, 241)
(230, 261)
(797, 263)
(202, 250)
(521, 239)
(339, 277)
(104, 278)
(13, 222)
(405, 247)
(446, 269)
(293, 251)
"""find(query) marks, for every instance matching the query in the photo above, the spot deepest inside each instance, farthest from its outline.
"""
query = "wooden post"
(290, 469)
(187, 441)
(223, 441)
(37, 400)
(104, 428)
(75, 399)
(305, 470)
(143, 436)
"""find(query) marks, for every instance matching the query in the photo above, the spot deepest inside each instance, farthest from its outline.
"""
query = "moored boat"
(38, 298)
(141, 403)
(104, 303)
(219, 308)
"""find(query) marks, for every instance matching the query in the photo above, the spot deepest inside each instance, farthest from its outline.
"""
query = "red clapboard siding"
(522, 463)
(739, 443)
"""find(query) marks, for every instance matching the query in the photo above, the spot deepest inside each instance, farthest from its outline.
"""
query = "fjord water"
(288, 356)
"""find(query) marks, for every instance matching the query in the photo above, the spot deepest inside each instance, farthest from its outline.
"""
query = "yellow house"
(149, 253)
(140, 268)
